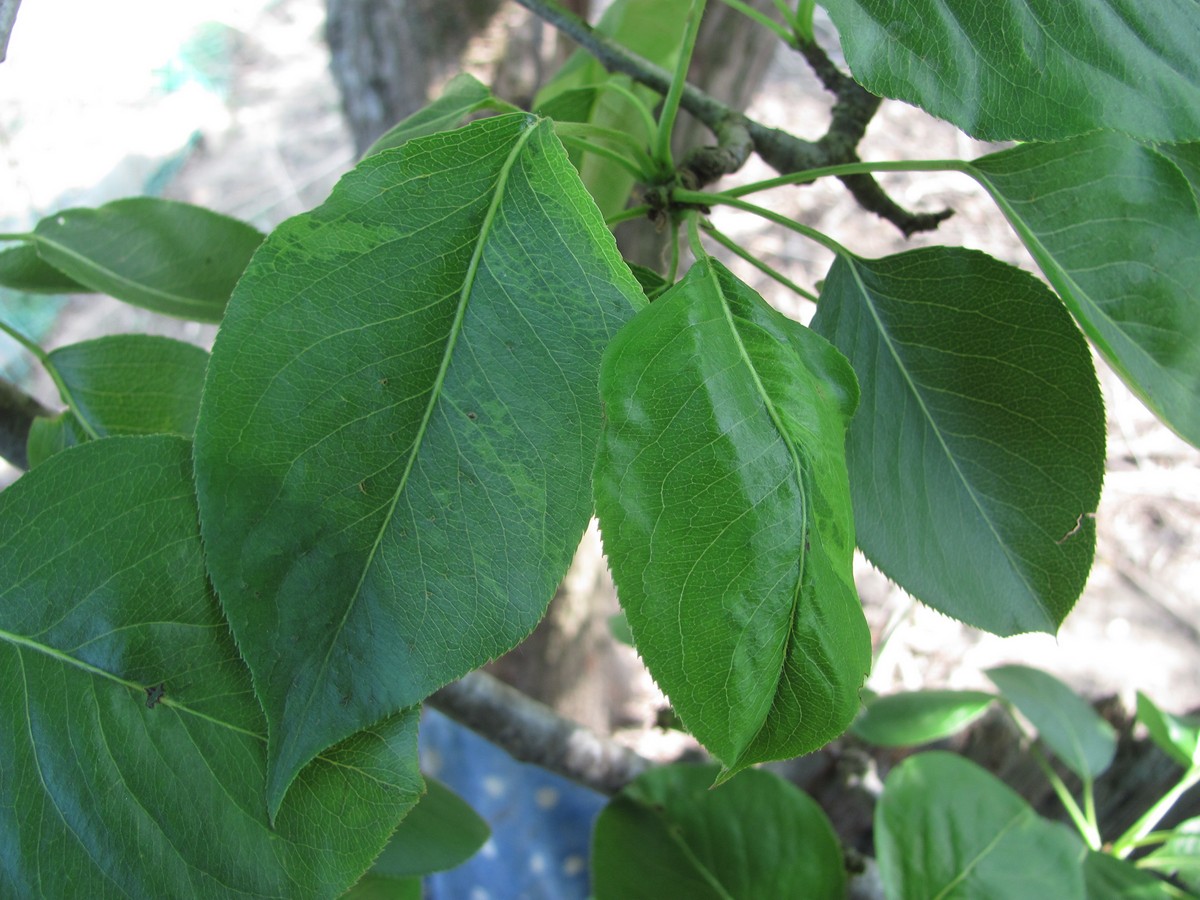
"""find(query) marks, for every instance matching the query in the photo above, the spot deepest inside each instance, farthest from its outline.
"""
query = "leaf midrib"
(777, 421)
(188, 302)
(434, 400)
(885, 336)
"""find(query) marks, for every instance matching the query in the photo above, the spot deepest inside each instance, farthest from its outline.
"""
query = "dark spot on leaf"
(154, 693)
(383, 381)
(471, 415)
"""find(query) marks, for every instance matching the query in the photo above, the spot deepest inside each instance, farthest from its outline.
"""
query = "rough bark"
(386, 54)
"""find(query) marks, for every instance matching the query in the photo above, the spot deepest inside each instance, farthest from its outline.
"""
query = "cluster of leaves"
(230, 582)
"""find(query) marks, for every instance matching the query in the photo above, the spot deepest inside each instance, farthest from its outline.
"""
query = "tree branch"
(534, 733)
(17, 412)
(784, 152)
(8, 18)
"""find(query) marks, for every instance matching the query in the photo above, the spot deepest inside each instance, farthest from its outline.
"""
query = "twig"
(784, 152)
(8, 18)
(534, 733)
(17, 412)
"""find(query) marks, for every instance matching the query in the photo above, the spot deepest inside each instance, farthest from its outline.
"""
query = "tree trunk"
(386, 54)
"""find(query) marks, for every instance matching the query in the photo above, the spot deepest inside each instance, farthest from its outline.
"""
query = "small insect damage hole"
(154, 694)
(1078, 527)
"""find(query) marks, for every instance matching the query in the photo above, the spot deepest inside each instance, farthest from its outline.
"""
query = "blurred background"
(255, 108)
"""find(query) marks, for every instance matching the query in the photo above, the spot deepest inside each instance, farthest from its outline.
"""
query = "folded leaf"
(1032, 69)
(50, 435)
(667, 835)
(944, 827)
(1116, 229)
(721, 490)
(398, 423)
(132, 750)
(165, 256)
(21, 269)
(977, 454)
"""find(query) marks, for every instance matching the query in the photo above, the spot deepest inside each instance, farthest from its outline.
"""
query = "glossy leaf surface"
(1115, 228)
(398, 423)
(668, 835)
(722, 497)
(977, 454)
(133, 383)
(1177, 736)
(944, 827)
(441, 832)
(463, 95)
(919, 717)
(1032, 69)
(132, 750)
(380, 887)
(1066, 722)
(21, 269)
(165, 256)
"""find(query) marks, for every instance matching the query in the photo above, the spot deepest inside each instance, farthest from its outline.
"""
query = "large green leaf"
(1032, 69)
(1116, 229)
(464, 94)
(977, 454)
(132, 751)
(722, 496)
(668, 836)
(21, 269)
(946, 828)
(169, 257)
(1066, 722)
(919, 717)
(398, 423)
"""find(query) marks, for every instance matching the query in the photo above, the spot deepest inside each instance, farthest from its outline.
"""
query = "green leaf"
(48, 436)
(668, 836)
(440, 833)
(977, 454)
(463, 95)
(1179, 856)
(1116, 229)
(132, 751)
(722, 496)
(1187, 157)
(133, 383)
(398, 423)
(23, 270)
(1108, 878)
(379, 887)
(165, 256)
(919, 717)
(1066, 722)
(618, 626)
(1032, 69)
(1176, 736)
(946, 828)
(653, 284)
